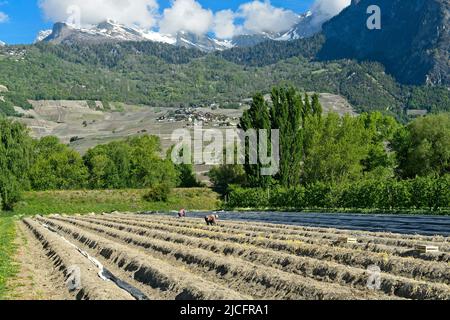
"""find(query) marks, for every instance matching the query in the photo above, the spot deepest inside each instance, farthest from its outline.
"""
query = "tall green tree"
(423, 147)
(109, 166)
(316, 106)
(256, 118)
(381, 130)
(186, 175)
(132, 163)
(15, 162)
(287, 116)
(307, 109)
(335, 149)
(56, 166)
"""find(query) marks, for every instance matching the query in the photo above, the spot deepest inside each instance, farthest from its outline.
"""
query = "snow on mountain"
(201, 42)
(158, 37)
(110, 31)
(2, 44)
(306, 28)
(113, 30)
(42, 35)
(107, 31)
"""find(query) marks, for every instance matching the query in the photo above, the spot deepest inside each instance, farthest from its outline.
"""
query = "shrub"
(288, 198)
(159, 193)
(317, 195)
(10, 192)
(248, 198)
(420, 193)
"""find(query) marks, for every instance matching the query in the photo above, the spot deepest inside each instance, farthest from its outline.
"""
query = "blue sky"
(25, 18)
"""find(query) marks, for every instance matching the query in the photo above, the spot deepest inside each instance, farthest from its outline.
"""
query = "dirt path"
(37, 278)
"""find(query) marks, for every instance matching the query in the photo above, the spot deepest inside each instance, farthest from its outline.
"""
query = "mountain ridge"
(413, 43)
(155, 73)
(163, 75)
(111, 31)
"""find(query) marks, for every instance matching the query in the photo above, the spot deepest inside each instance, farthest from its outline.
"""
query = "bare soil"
(64, 257)
(169, 258)
(36, 279)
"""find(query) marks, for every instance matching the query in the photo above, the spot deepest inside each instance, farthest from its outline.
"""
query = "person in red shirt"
(182, 213)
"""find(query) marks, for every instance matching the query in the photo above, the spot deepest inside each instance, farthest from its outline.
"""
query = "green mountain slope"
(157, 74)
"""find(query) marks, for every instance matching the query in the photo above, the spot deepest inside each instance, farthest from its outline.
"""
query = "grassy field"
(98, 201)
(7, 250)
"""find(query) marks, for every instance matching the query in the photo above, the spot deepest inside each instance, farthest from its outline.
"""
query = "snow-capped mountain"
(42, 35)
(305, 28)
(110, 31)
(2, 44)
(202, 42)
(107, 31)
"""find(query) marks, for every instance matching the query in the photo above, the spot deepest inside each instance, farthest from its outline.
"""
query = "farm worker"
(182, 213)
(211, 220)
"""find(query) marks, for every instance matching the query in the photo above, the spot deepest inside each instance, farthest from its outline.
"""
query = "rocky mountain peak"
(413, 43)
(111, 31)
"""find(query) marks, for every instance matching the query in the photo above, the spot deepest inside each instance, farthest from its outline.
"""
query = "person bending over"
(211, 220)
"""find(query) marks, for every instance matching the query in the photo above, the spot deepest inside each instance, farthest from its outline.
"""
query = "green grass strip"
(7, 250)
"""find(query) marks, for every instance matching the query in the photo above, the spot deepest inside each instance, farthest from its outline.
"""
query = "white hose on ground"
(137, 294)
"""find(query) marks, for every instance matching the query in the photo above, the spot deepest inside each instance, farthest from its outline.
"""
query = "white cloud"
(263, 17)
(186, 15)
(326, 9)
(253, 17)
(141, 13)
(3, 17)
(256, 16)
(224, 26)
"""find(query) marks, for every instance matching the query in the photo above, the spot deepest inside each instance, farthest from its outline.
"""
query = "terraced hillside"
(160, 257)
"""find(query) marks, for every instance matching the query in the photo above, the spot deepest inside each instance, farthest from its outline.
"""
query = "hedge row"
(420, 193)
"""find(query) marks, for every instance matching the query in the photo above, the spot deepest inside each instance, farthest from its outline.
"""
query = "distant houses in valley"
(416, 113)
(193, 115)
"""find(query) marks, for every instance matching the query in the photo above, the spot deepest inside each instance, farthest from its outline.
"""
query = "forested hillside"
(157, 74)
(272, 51)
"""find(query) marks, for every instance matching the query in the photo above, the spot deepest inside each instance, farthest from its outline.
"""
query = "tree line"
(327, 160)
(347, 158)
(420, 193)
(47, 164)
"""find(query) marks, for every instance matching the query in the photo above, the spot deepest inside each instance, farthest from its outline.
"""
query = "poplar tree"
(307, 109)
(287, 115)
(257, 117)
(316, 106)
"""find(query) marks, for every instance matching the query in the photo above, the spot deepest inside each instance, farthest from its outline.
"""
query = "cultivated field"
(167, 258)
